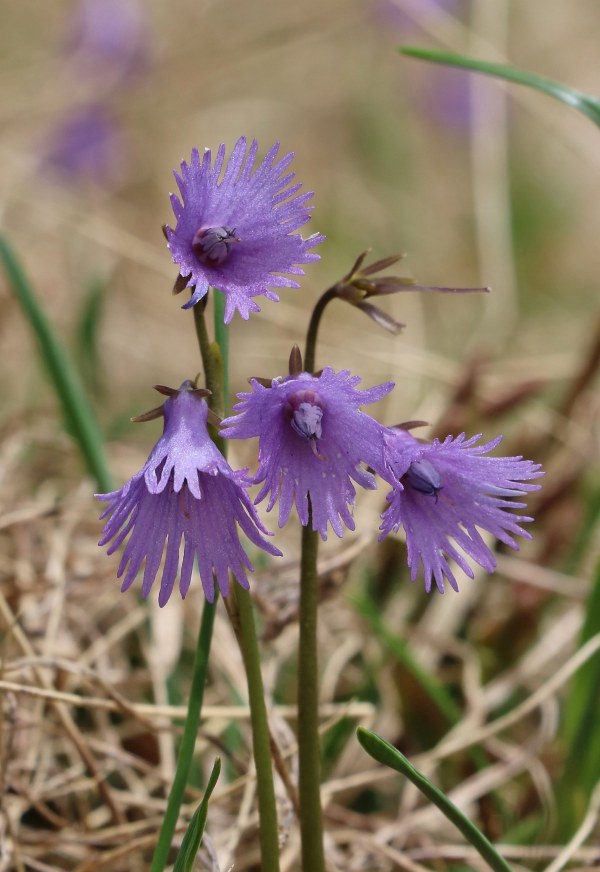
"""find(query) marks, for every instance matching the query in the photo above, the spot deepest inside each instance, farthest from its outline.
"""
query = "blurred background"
(478, 184)
(100, 101)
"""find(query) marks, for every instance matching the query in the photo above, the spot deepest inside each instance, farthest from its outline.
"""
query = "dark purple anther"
(424, 477)
(212, 245)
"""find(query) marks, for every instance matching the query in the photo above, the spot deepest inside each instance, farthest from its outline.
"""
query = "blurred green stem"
(309, 750)
(78, 413)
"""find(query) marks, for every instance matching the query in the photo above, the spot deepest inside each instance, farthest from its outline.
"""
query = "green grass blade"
(188, 741)
(193, 836)
(78, 413)
(585, 103)
(88, 333)
(385, 753)
(581, 719)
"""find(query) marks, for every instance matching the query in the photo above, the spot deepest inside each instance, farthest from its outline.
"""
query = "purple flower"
(188, 491)
(237, 233)
(85, 144)
(110, 38)
(445, 491)
(312, 441)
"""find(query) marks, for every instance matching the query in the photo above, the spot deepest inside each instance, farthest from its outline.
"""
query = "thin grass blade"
(77, 411)
(585, 103)
(385, 753)
(193, 836)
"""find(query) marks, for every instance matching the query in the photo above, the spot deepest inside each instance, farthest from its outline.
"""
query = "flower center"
(305, 411)
(422, 476)
(212, 245)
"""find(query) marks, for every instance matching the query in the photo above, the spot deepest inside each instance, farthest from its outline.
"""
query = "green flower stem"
(261, 742)
(309, 748)
(188, 742)
(309, 751)
(186, 751)
(215, 366)
(313, 327)
(77, 411)
(246, 633)
(222, 340)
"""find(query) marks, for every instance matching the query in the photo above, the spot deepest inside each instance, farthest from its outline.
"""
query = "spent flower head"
(313, 443)
(445, 492)
(186, 494)
(236, 227)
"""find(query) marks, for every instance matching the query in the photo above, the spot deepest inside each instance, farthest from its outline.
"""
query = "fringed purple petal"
(473, 494)
(262, 210)
(186, 493)
(292, 467)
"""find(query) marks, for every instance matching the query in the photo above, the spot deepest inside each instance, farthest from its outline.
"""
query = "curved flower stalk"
(236, 233)
(313, 443)
(444, 493)
(185, 491)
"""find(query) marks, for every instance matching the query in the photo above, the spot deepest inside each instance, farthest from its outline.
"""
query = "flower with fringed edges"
(186, 492)
(236, 227)
(444, 493)
(313, 442)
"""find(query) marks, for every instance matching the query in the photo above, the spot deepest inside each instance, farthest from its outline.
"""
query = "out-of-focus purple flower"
(110, 38)
(444, 492)
(313, 441)
(443, 95)
(237, 233)
(186, 492)
(85, 144)
(397, 14)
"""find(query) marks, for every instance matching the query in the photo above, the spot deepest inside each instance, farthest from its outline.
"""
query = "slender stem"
(192, 722)
(261, 743)
(222, 340)
(309, 751)
(215, 368)
(313, 327)
(188, 742)
(245, 628)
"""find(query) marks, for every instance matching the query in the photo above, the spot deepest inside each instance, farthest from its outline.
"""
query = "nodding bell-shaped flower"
(314, 442)
(445, 492)
(185, 499)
